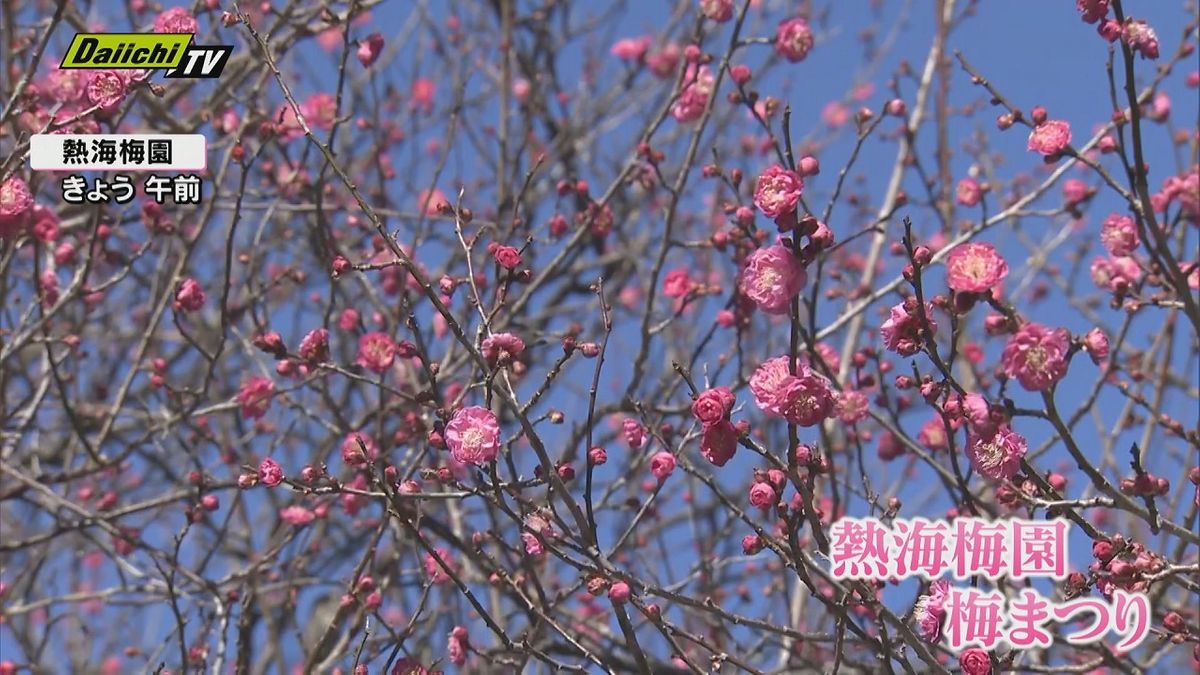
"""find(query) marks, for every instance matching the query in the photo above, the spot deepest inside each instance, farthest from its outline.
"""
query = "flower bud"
(751, 544)
(597, 456)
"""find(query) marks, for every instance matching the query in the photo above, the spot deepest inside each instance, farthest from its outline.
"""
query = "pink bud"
(507, 257)
(1109, 29)
(1096, 345)
(996, 324)
(922, 255)
(1120, 568)
(373, 602)
(762, 496)
(597, 456)
(368, 49)
(662, 464)
(270, 473)
(751, 544)
(340, 266)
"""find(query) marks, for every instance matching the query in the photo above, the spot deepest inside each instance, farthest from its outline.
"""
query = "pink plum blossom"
(502, 347)
(1119, 235)
(806, 399)
(635, 433)
(1050, 137)
(1115, 273)
(677, 283)
(713, 405)
(968, 192)
(314, 347)
(974, 268)
(718, 443)
(852, 406)
(772, 277)
(777, 191)
(269, 472)
(435, 567)
(376, 351)
(16, 202)
(975, 661)
(176, 20)
(254, 397)
(105, 89)
(693, 98)
(473, 435)
(793, 39)
(901, 332)
(1095, 343)
(998, 457)
(930, 610)
(1036, 356)
(297, 516)
(630, 49)
(1141, 38)
(767, 383)
(717, 10)
(457, 645)
(352, 449)
(431, 201)
(190, 296)
(1092, 11)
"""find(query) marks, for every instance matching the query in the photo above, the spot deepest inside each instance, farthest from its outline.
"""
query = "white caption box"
(62, 152)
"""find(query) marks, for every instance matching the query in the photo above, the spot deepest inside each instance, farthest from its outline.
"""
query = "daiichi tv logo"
(173, 52)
